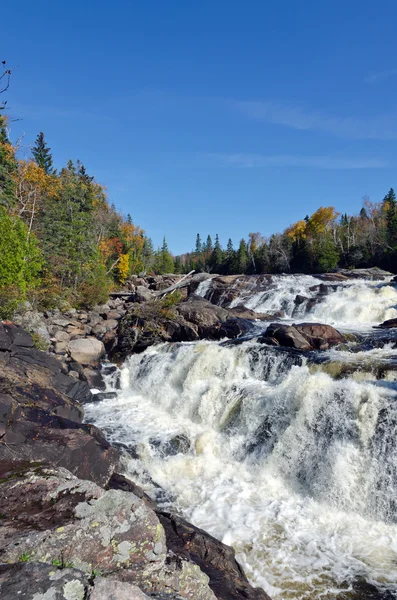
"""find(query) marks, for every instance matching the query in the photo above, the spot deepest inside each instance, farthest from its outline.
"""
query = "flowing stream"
(289, 458)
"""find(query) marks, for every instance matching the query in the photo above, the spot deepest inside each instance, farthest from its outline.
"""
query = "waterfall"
(272, 451)
(351, 304)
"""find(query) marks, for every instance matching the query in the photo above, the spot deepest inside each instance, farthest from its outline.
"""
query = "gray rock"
(99, 330)
(111, 324)
(73, 374)
(86, 351)
(102, 309)
(111, 589)
(36, 581)
(62, 336)
(114, 314)
(94, 318)
(142, 294)
(60, 322)
(61, 347)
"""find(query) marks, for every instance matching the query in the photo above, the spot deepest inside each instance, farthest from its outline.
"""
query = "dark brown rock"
(389, 324)
(227, 578)
(305, 336)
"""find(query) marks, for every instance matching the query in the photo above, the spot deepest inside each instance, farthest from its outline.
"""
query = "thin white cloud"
(382, 127)
(375, 77)
(252, 161)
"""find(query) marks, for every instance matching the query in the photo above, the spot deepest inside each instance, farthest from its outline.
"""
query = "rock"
(110, 340)
(99, 330)
(389, 324)
(201, 313)
(190, 320)
(62, 336)
(286, 335)
(94, 379)
(111, 589)
(94, 318)
(142, 294)
(306, 336)
(227, 578)
(246, 313)
(110, 324)
(102, 310)
(61, 347)
(86, 351)
(60, 322)
(35, 581)
(373, 273)
(74, 374)
(113, 315)
(299, 299)
(77, 522)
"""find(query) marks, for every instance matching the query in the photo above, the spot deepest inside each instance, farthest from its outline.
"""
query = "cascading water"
(274, 452)
(351, 304)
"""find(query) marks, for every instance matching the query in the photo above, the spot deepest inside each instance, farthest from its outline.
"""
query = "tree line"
(61, 241)
(321, 242)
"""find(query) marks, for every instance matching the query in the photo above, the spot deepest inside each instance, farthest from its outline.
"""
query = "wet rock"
(389, 324)
(86, 351)
(242, 312)
(227, 578)
(305, 336)
(94, 379)
(110, 340)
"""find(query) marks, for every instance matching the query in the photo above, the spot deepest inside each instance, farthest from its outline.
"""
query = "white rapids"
(353, 304)
(295, 469)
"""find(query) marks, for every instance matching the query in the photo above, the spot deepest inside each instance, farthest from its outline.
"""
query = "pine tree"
(8, 168)
(208, 247)
(242, 257)
(199, 247)
(230, 258)
(216, 261)
(42, 155)
(164, 263)
(390, 205)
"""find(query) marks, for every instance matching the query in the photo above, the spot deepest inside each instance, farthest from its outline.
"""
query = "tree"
(42, 155)
(208, 244)
(216, 260)
(198, 247)
(164, 263)
(8, 167)
(390, 208)
(20, 263)
(242, 256)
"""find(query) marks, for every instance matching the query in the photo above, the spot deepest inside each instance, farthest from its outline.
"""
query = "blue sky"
(213, 116)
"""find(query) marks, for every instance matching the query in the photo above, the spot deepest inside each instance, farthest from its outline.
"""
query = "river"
(290, 458)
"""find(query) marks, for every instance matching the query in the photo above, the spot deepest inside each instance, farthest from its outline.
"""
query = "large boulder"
(41, 415)
(227, 579)
(193, 319)
(67, 521)
(305, 336)
(86, 351)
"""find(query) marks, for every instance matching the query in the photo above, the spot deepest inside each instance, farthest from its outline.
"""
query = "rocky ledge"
(72, 526)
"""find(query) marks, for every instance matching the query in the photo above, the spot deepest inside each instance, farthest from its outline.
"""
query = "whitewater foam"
(295, 469)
